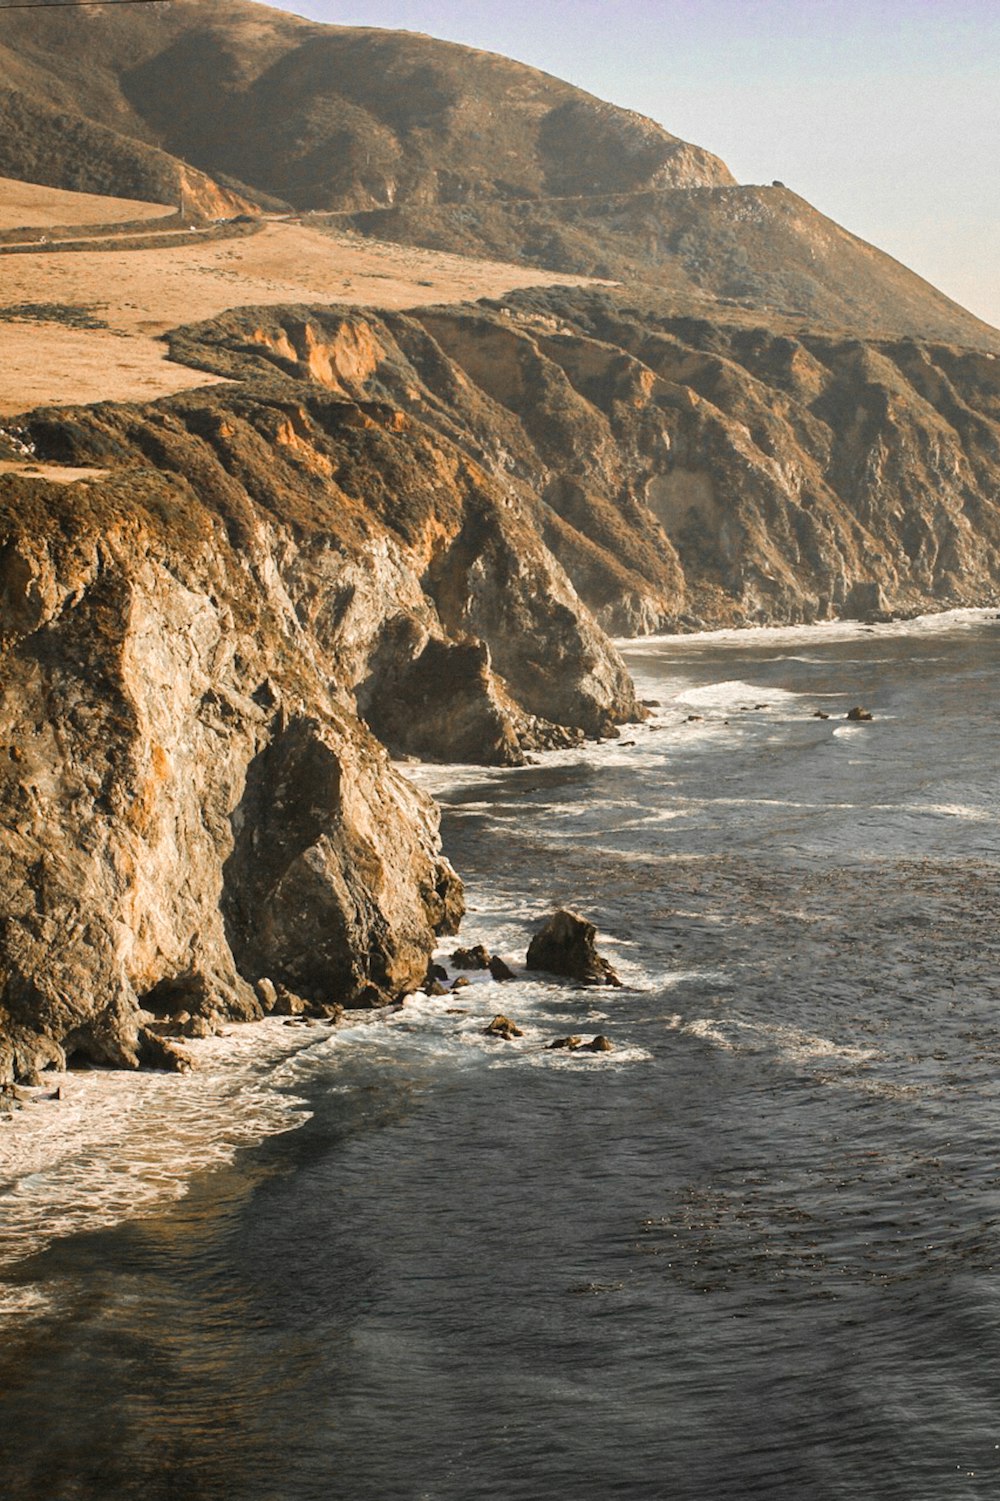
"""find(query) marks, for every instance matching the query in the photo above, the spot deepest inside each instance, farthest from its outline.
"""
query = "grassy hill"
(435, 145)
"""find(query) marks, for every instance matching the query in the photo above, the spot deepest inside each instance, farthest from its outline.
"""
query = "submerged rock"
(598, 1044)
(502, 1026)
(566, 945)
(478, 957)
(859, 714)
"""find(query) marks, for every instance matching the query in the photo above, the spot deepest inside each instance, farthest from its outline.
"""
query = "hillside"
(27, 205)
(88, 324)
(342, 532)
(434, 145)
(410, 526)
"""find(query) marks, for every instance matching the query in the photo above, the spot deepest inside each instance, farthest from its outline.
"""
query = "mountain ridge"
(442, 146)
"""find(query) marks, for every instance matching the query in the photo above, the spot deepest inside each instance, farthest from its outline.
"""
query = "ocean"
(752, 1252)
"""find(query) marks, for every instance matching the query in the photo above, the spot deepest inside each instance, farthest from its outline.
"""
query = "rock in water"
(859, 714)
(502, 1026)
(599, 1044)
(565, 945)
(478, 957)
(499, 970)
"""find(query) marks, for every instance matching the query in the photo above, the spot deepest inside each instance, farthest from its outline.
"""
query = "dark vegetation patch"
(70, 315)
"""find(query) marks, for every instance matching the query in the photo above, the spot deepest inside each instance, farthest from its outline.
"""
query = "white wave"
(946, 810)
(25, 1302)
(705, 1030)
(787, 1044)
(806, 635)
(578, 1061)
(735, 694)
(117, 1145)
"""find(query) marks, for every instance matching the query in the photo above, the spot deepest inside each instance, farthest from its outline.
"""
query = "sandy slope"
(26, 204)
(139, 294)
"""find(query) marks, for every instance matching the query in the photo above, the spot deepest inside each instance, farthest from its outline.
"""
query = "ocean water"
(753, 1252)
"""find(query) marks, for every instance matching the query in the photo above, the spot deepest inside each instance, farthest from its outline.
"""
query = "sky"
(884, 114)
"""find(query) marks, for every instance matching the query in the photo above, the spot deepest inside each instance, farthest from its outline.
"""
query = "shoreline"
(235, 1095)
(839, 629)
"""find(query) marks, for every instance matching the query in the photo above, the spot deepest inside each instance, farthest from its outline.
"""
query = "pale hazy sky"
(884, 114)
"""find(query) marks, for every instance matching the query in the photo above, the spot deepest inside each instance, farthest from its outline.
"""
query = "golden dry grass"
(26, 205)
(140, 294)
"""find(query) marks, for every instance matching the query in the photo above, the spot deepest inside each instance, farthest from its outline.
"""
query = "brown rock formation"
(685, 473)
(365, 526)
(186, 806)
(191, 805)
(566, 944)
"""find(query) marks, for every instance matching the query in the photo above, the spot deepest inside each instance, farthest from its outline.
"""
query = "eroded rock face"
(684, 473)
(318, 892)
(196, 816)
(186, 807)
(418, 526)
(414, 573)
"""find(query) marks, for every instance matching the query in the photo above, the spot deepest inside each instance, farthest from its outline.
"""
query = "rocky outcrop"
(598, 1044)
(408, 529)
(684, 473)
(186, 807)
(196, 817)
(502, 1027)
(566, 944)
(414, 573)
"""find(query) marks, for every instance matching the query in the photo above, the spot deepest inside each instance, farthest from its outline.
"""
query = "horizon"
(872, 80)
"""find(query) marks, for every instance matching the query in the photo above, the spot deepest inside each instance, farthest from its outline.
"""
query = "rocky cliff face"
(404, 530)
(685, 473)
(192, 805)
(187, 808)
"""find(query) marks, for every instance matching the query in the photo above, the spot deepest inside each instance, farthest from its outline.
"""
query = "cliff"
(191, 630)
(685, 473)
(415, 527)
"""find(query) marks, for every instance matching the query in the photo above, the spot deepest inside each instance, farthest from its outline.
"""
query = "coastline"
(242, 1088)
